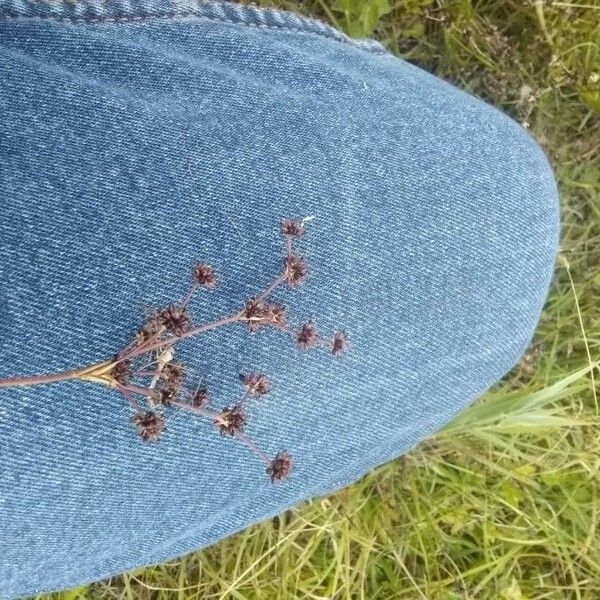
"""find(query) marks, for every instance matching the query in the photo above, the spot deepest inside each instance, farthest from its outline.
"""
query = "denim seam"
(288, 22)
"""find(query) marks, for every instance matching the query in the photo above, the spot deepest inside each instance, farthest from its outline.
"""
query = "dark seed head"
(149, 329)
(149, 425)
(294, 270)
(307, 336)
(200, 398)
(172, 373)
(175, 319)
(292, 228)
(231, 420)
(255, 313)
(256, 384)
(340, 343)
(120, 372)
(275, 314)
(165, 395)
(204, 276)
(280, 467)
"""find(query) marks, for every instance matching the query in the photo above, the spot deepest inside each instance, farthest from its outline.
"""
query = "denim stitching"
(224, 12)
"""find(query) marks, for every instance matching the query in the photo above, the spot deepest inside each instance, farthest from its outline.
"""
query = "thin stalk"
(129, 397)
(245, 396)
(210, 414)
(270, 288)
(134, 345)
(187, 299)
(175, 339)
(135, 389)
(248, 442)
(91, 373)
(218, 419)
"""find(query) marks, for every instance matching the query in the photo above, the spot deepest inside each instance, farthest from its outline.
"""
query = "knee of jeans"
(517, 202)
(467, 220)
(515, 193)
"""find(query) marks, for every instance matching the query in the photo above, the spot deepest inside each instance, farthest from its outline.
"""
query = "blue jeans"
(139, 137)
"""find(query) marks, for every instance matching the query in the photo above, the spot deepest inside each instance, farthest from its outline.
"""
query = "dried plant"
(144, 371)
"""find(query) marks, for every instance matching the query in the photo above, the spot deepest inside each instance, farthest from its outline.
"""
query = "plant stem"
(135, 389)
(269, 290)
(97, 373)
(187, 299)
(90, 373)
(209, 414)
(174, 339)
(216, 417)
(248, 442)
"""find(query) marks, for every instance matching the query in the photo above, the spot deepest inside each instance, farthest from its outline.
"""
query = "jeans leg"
(139, 137)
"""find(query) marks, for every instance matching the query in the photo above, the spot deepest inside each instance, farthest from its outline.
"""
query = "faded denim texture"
(137, 137)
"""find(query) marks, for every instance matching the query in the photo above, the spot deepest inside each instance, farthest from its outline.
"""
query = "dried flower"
(175, 319)
(200, 398)
(231, 420)
(121, 372)
(294, 270)
(280, 466)
(149, 329)
(307, 336)
(275, 314)
(205, 276)
(172, 373)
(165, 395)
(154, 346)
(255, 313)
(292, 228)
(256, 384)
(340, 343)
(149, 425)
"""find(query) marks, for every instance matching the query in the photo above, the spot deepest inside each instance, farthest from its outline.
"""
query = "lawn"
(504, 503)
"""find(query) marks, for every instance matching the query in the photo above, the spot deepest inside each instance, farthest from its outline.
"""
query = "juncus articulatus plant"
(147, 375)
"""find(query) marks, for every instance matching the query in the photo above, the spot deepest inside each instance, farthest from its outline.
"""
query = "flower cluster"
(161, 383)
(146, 374)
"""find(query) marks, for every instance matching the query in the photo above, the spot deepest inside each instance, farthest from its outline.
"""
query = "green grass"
(504, 503)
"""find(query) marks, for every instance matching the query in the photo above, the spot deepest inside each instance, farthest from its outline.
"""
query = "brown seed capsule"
(294, 270)
(201, 399)
(256, 384)
(164, 396)
(307, 336)
(275, 314)
(340, 343)
(149, 329)
(231, 420)
(149, 425)
(121, 372)
(280, 467)
(205, 276)
(255, 313)
(291, 228)
(172, 374)
(175, 319)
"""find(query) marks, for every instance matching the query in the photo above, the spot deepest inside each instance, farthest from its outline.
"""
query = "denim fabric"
(138, 136)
